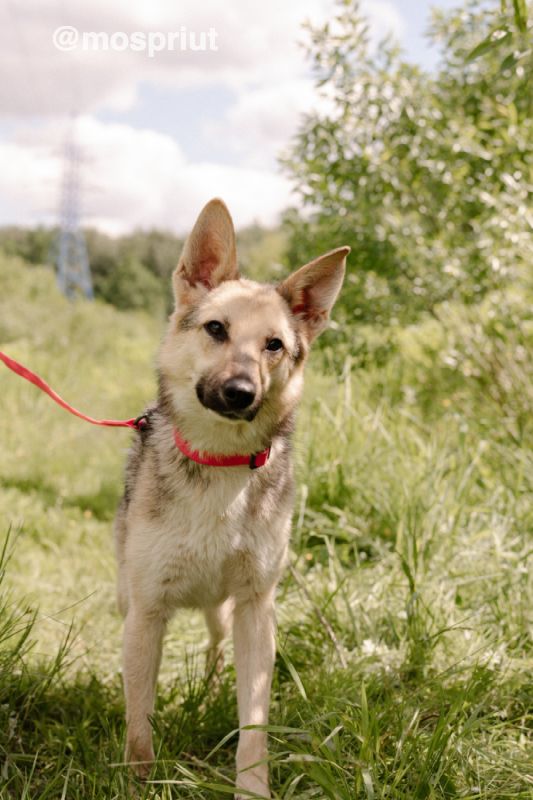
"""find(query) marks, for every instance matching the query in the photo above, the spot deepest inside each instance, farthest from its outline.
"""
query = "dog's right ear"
(209, 255)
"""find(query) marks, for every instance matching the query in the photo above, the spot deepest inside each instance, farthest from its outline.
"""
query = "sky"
(169, 104)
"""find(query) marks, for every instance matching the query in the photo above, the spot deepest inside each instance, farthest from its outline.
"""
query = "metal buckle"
(259, 459)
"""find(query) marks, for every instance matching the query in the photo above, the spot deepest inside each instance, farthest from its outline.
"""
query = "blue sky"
(160, 135)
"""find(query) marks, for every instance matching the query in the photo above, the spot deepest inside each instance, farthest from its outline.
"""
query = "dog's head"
(232, 361)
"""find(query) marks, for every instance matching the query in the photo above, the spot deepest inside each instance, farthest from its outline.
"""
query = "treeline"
(134, 271)
(130, 272)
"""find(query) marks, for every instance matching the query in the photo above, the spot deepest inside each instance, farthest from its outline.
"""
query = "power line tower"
(72, 262)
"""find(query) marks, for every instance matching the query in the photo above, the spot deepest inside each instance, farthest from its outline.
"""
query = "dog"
(194, 528)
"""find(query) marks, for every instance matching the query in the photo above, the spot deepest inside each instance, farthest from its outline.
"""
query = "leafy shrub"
(427, 177)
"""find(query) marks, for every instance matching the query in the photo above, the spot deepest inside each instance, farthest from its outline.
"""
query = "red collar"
(253, 461)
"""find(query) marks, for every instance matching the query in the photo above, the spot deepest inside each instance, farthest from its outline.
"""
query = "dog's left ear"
(312, 290)
(209, 255)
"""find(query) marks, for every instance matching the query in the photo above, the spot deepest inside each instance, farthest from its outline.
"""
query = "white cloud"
(131, 178)
(139, 177)
(383, 18)
(257, 43)
(30, 180)
(259, 125)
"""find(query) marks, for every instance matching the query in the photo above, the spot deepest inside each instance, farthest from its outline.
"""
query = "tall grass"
(405, 629)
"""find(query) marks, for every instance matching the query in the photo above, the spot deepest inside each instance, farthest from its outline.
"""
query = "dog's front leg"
(254, 639)
(218, 619)
(143, 637)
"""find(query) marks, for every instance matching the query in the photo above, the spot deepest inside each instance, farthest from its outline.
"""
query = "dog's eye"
(216, 329)
(274, 344)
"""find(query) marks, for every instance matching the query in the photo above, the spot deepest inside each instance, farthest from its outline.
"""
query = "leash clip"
(141, 422)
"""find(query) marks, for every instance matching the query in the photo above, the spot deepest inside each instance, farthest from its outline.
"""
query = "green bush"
(427, 176)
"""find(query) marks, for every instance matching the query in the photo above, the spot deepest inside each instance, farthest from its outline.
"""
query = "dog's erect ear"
(209, 255)
(312, 290)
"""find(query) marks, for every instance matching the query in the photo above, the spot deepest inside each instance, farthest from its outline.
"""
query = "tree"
(427, 177)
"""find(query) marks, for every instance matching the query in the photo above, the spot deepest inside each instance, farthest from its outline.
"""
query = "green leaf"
(488, 44)
(294, 674)
(520, 15)
(508, 62)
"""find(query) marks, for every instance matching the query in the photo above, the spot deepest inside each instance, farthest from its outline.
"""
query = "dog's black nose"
(238, 393)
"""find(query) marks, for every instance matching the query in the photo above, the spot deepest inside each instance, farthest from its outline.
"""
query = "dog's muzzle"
(235, 398)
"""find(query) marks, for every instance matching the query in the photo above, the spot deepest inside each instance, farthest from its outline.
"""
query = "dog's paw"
(264, 795)
(140, 760)
(258, 785)
(141, 769)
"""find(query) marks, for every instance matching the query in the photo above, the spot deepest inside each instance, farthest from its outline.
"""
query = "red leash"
(253, 461)
(30, 376)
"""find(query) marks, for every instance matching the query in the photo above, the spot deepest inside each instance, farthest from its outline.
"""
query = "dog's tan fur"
(209, 537)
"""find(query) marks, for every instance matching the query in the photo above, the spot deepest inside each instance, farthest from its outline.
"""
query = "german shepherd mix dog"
(199, 525)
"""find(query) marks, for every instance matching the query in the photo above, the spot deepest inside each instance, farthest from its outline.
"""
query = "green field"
(405, 631)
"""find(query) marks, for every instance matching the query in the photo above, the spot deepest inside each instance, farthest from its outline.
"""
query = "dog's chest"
(207, 543)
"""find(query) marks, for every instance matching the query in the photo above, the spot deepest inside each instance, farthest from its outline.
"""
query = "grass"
(412, 547)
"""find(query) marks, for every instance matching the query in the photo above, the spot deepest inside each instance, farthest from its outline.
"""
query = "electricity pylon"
(72, 262)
